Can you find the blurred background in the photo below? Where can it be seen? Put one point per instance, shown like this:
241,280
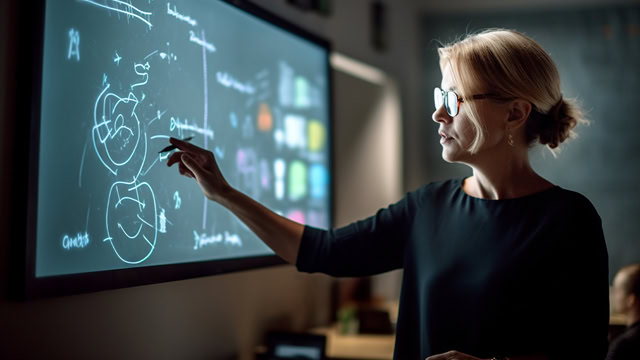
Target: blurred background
385,66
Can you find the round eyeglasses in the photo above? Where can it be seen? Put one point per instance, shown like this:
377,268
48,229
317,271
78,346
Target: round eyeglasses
452,101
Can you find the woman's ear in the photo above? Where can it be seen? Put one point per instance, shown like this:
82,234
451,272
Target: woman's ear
519,111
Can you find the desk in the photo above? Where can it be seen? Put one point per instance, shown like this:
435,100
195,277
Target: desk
377,347
364,347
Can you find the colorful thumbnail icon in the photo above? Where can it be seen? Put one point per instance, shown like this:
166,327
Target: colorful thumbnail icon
319,180
297,180
297,216
265,120
317,135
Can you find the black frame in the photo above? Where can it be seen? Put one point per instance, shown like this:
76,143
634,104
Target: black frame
23,283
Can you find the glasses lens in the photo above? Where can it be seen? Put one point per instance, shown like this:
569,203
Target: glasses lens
452,103
437,97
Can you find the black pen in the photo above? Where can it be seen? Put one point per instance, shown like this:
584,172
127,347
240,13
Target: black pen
171,147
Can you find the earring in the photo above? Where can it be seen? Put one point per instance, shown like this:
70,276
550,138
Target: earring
510,138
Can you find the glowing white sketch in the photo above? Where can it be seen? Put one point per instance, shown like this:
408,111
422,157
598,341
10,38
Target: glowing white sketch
232,239
174,12
202,240
117,132
227,238
176,198
123,7
82,164
79,241
163,222
194,39
176,124
226,80
167,56
141,69
164,55
74,44
131,220
205,47
117,59
121,145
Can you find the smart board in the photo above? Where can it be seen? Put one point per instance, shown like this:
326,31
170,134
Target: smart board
121,77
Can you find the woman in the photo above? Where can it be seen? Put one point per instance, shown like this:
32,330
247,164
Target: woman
500,264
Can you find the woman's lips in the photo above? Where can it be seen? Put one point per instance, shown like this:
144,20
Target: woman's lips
444,138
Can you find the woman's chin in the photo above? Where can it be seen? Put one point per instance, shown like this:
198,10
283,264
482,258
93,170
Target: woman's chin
450,156
454,155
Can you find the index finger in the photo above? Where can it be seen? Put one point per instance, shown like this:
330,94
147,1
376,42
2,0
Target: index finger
188,147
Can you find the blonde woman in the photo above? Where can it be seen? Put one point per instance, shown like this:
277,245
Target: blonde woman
501,264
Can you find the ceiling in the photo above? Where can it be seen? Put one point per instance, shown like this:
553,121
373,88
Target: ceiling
492,5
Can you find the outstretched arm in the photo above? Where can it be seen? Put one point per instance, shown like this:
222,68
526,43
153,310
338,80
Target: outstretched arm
279,233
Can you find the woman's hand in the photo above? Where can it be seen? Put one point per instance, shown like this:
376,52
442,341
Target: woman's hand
452,355
279,233
200,164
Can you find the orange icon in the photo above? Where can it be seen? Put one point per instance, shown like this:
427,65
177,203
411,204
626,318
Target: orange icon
265,120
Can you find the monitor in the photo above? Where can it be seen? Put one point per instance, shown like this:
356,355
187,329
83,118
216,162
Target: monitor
118,78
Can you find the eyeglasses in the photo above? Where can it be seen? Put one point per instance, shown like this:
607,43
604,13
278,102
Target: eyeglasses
452,101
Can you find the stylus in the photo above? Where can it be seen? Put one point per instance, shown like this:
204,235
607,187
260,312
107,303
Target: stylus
171,147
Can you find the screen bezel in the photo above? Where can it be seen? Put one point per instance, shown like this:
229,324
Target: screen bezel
24,285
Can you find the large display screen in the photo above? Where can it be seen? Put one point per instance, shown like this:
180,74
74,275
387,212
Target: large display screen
121,77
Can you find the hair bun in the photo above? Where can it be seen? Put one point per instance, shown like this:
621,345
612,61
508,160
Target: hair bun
557,125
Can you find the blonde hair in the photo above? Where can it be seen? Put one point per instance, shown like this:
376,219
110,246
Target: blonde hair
512,65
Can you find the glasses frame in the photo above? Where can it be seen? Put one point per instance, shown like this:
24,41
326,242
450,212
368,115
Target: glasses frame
460,100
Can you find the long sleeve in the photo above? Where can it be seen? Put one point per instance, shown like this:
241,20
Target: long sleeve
582,289
366,247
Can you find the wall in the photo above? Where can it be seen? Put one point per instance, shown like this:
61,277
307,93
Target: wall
221,317
369,173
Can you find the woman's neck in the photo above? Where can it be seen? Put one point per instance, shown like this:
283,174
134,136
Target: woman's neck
504,178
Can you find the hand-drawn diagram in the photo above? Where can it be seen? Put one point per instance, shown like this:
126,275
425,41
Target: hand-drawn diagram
261,118
116,132
132,226
121,146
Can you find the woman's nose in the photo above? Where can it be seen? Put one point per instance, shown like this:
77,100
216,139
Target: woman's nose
441,115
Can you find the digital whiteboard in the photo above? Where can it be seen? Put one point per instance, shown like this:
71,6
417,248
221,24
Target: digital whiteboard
119,78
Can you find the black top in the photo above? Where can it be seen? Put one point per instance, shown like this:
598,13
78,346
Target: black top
484,277
627,345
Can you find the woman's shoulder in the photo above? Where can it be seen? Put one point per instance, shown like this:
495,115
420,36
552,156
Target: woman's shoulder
436,188
434,191
572,201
